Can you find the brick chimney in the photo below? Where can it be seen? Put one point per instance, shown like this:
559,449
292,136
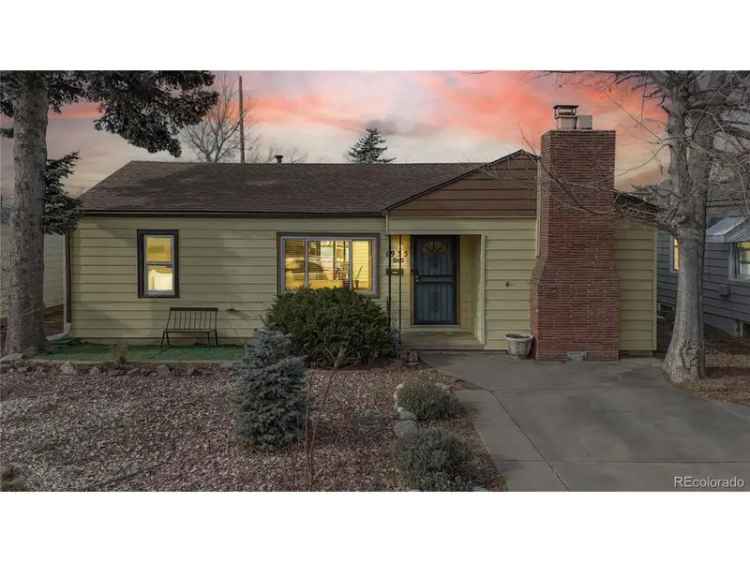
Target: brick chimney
574,287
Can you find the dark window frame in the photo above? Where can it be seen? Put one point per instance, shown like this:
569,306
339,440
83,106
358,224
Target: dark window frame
734,263
142,233
365,236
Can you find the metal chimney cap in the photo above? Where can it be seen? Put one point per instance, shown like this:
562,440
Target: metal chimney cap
562,110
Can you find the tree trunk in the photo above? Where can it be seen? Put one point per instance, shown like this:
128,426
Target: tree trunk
685,359
689,171
25,331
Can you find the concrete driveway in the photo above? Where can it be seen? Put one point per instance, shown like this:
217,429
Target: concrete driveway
598,426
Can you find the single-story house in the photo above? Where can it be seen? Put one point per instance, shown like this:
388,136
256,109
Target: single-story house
458,254
726,271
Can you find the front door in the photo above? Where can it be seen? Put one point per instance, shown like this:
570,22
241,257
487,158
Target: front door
434,267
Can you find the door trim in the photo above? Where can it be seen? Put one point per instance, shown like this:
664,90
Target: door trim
456,277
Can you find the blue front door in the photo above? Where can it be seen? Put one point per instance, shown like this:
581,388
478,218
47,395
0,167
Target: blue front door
434,268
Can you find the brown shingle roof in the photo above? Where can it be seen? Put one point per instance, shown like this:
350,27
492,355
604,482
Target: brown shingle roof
176,187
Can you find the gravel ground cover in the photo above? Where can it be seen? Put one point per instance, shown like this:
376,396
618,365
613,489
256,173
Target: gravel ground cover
149,428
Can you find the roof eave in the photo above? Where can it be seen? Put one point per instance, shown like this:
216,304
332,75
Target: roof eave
227,214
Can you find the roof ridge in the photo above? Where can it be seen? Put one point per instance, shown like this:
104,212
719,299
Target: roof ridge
462,163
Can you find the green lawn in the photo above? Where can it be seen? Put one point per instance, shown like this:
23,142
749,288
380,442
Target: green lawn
73,351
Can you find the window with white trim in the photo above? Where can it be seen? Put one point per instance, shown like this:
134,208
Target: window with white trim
317,262
675,254
741,261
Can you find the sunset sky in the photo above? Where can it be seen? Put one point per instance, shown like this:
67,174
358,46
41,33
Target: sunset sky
425,116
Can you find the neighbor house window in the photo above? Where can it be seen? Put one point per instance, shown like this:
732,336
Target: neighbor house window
318,262
157,263
741,261
675,254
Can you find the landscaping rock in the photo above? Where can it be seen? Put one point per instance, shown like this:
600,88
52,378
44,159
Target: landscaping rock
395,393
190,371
95,372
405,414
67,368
442,386
162,370
133,371
402,428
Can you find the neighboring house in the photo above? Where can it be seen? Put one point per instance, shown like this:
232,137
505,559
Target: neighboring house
726,273
459,254
54,270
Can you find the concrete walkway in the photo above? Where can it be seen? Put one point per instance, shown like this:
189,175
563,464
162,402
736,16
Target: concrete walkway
595,425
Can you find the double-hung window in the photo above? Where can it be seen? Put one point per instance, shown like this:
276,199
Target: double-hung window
741,261
317,262
157,263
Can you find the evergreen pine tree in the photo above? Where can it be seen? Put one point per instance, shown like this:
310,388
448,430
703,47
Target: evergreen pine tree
369,149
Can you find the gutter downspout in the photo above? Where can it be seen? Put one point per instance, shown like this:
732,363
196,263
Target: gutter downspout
67,312
389,261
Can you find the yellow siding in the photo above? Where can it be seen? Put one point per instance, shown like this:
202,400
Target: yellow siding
508,262
227,263
232,264
468,286
636,268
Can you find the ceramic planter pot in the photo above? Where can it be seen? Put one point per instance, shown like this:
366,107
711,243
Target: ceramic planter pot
519,345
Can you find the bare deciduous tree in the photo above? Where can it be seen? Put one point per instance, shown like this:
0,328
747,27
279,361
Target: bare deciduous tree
217,137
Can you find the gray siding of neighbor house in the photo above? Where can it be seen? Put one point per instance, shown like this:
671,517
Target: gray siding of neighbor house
724,301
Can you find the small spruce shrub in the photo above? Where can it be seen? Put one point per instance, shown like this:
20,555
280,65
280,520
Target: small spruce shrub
427,401
332,328
271,392
434,460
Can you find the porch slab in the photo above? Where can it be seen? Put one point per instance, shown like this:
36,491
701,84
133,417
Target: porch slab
441,341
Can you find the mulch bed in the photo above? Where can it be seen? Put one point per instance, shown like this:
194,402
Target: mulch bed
727,366
138,429
727,369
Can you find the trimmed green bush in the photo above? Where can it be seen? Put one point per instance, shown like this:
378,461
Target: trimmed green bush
434,460
427,401
332,328
271,392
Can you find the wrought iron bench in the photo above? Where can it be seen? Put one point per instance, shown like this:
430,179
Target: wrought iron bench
192,320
